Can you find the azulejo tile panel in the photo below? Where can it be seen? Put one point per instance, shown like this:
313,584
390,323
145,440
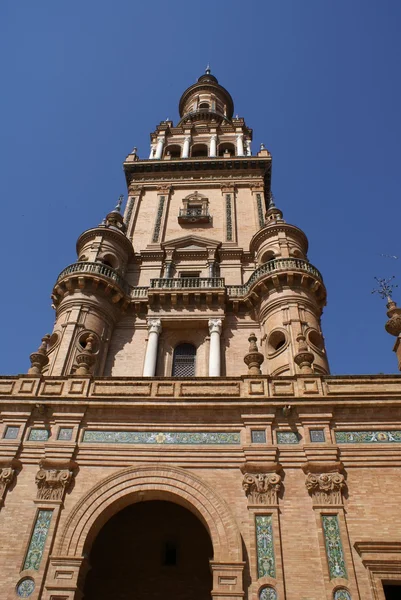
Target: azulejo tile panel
65,433
38,540
334,548
264,545
317,435
342,594
11,433
287,437
268,593
38,435
258,436
26,587
160,437
368,437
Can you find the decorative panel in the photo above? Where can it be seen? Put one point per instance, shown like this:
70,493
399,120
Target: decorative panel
368,437
268,593
334,548
261,216
25,588
342,594
258,436
65,433
129,209
38,540
264,546
156,232
155,437
317,435
287,437
38,435
229,218
11,433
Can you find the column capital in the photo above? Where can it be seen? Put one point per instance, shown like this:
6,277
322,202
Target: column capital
215,326
154,326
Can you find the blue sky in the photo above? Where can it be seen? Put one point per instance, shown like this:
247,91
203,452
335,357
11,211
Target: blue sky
317,80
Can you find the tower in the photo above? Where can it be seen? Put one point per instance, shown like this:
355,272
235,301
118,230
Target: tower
202,258
178,434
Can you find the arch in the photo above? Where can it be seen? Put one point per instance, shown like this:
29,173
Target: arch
174,150
151,482
267,256
184,359
199,150
226,147
204,106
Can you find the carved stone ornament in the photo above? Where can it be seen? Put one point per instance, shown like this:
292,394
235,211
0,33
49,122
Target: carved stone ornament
53,479
261,483
254,358
7,473
39,359
325,488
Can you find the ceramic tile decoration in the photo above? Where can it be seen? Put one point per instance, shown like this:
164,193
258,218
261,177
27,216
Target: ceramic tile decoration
156,232
342,594
261,215
258,436
229,221
11,433
368,437
264,545
38,540
317,435
65,433
38,435
287,437
159,437
268,593
334,548
25,588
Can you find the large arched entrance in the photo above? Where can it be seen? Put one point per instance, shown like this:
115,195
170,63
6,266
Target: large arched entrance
150,551
68,565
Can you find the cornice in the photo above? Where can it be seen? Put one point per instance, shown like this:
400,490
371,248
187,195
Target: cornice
268,231
112,234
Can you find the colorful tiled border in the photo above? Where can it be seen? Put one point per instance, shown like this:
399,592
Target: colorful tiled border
38,540
287,437
334,548
368,437
264,546
160,437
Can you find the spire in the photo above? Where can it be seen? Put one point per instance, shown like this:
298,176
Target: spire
273,213
207,70
115,218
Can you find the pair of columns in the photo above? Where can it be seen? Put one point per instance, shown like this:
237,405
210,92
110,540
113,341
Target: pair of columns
154,330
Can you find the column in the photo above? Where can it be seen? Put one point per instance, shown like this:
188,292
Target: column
213,146
152,150
240,144
185,149
159,147
154,329
248,148
168,266
211,268
215,326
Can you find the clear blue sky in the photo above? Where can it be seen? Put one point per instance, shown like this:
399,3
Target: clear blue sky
318,80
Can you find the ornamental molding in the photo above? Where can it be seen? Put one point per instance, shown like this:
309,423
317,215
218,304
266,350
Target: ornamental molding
7,474
228,188
164,189
53,479
261,483
268,231
325,483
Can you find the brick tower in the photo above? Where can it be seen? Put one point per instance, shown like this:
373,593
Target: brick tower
178,434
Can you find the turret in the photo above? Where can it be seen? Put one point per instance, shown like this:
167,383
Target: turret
88,297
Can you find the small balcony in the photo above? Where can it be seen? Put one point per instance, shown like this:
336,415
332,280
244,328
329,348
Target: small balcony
196,214
188,283
82,269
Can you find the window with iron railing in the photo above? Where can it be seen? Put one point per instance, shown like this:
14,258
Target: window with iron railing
184,360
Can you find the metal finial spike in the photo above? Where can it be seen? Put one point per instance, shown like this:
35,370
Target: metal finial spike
207,70
120,201
271,200
385,289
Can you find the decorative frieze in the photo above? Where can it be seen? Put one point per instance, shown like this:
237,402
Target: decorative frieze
38,539
325,488
334,548
159,437
368,437
38,435
265,546
287,437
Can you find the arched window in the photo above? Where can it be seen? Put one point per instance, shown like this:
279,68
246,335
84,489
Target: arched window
226,149
184,360
199,150
204,106
174,151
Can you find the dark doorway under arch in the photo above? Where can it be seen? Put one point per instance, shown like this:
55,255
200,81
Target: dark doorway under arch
150,551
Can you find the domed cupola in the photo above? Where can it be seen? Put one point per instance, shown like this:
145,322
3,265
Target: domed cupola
205,100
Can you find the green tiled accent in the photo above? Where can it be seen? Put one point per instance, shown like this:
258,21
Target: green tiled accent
38,540
287,437
264,545
159,437
261,216
229,219
156,232
334,548
268,593
368,437
38,435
